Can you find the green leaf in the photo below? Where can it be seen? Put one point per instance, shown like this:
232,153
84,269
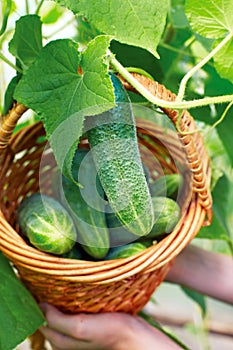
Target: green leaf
156,325
27,40
19,314
5,13
213,19
221,227
224,61
85,31
54,89
8,97
197,298
178,17
210,18
220,162
223,202
225,133
138,23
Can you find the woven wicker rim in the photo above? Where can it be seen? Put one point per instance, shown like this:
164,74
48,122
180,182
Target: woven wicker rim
156,256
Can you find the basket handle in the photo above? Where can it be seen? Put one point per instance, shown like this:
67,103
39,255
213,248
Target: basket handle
8,124
193,143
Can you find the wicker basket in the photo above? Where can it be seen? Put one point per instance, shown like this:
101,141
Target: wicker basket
120,285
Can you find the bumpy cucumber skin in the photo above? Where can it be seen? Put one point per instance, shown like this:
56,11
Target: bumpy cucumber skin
47,224
125,251
167,185
113,140
89,220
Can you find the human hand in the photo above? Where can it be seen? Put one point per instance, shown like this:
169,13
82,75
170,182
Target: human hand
106,331
204,271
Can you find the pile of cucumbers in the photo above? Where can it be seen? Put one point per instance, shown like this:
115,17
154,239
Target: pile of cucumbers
113,209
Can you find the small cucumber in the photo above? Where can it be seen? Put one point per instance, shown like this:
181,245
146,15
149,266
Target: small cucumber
125,251
167,214
113,140
86,205
167,185
47,224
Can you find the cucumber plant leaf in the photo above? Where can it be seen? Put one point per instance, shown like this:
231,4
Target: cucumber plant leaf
224,60
8,97
225,133
19,314
213,19
210,18
221,227
85,31
177,14
27,40
138,23
219,160
25,46
62,97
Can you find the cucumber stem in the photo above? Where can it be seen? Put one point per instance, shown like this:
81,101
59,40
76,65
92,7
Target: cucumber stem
196,68
12,65
6,16
39,7
162,103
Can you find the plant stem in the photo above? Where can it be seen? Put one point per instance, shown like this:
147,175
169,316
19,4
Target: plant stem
139,71
162,103
186,78
27,7
5,17
39,7
10,63
222,116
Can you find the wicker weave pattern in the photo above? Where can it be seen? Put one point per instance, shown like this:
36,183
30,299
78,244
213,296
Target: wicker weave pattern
118,285
128,295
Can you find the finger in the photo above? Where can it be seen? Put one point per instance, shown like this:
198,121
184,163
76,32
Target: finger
101,328
61,341
70,325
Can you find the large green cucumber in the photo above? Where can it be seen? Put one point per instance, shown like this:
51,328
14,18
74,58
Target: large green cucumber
86,205
113,140
47,224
